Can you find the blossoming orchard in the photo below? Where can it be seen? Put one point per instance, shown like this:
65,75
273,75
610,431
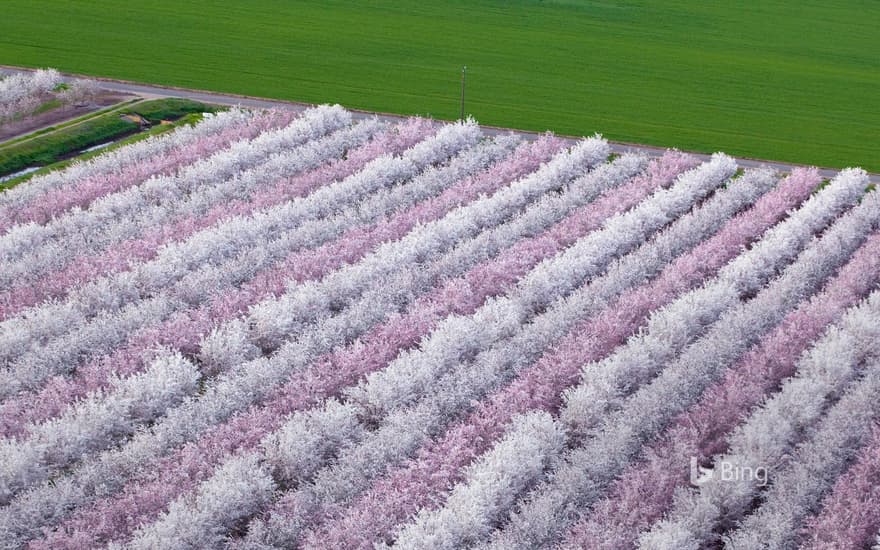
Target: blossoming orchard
280,329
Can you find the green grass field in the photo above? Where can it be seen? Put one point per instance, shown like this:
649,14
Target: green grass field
790,81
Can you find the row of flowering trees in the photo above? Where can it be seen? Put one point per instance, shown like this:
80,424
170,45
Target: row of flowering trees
23,93
280,329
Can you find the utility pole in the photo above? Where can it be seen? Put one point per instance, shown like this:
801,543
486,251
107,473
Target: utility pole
463,78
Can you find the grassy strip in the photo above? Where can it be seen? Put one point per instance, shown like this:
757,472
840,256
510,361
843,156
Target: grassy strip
44,107
58,145
171,108
60,165
48,106
55,146
67,123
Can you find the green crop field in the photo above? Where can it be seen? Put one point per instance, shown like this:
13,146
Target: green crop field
795,81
